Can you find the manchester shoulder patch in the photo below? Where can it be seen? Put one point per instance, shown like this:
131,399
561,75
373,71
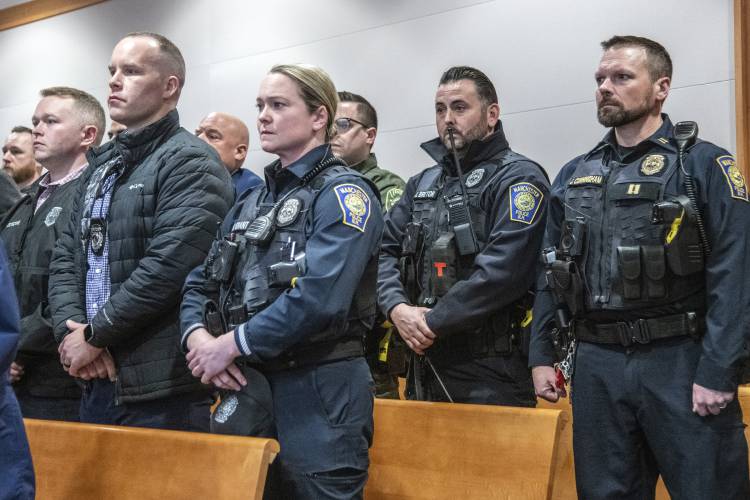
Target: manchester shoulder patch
355,205
525,200
735,179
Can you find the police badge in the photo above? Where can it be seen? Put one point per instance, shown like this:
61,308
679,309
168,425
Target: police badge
97,232
652,164
52,216
475,177
288,212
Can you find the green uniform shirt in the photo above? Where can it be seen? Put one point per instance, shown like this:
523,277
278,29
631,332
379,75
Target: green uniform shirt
390,185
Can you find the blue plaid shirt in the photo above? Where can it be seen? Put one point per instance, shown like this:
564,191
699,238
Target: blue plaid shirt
98,284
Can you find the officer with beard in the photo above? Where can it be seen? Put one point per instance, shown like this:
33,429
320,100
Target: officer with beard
646,251
458,254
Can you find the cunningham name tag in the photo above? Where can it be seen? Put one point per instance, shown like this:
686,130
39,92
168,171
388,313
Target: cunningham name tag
355,205
525,200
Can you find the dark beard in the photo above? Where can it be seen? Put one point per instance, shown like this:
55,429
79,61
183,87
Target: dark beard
621,116
474,134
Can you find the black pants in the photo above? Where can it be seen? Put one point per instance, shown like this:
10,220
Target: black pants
67,409
633,420
500,380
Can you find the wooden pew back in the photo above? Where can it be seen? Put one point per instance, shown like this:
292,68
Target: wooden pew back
85,461
438,450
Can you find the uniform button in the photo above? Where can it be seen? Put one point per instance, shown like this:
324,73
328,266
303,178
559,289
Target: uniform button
97,271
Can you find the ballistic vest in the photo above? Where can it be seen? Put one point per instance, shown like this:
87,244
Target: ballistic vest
621,247
265,271
439,265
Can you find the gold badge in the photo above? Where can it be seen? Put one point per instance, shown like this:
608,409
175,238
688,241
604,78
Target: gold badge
652,164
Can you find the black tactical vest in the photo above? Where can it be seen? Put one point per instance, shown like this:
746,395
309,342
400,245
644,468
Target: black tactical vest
264,271
439,265
614,233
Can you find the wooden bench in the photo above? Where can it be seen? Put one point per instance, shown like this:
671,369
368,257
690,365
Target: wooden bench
564,487
458,451
82,462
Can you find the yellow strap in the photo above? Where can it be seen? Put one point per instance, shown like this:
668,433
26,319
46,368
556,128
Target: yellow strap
675,227
527,319
383,346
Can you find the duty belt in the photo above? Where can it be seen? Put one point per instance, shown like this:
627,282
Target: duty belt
315,354
640,331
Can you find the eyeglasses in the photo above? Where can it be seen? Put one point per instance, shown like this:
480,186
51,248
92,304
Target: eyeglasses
344,124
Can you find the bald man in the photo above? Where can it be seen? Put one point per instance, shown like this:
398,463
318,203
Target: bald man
230,137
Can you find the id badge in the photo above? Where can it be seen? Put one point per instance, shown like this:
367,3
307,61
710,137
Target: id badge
97,235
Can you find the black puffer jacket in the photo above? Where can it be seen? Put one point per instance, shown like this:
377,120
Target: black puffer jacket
29,239
164,212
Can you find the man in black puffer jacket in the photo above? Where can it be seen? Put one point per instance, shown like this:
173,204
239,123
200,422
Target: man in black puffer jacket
145,215
67,123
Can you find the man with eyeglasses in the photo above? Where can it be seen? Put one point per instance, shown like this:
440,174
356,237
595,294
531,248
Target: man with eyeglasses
356,126
459,254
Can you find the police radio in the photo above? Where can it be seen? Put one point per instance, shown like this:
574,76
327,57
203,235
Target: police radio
458,210
685,134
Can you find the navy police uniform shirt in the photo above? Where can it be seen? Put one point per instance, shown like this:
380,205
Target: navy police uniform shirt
504,269
336,253
722,199
244,180
16,471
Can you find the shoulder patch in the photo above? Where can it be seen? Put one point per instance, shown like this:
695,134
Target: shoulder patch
525,199
391,198
355,205
735,179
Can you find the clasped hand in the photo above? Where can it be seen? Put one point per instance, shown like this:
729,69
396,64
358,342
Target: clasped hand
81,359
212,359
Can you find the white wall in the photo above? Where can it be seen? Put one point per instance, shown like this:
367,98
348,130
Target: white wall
541,55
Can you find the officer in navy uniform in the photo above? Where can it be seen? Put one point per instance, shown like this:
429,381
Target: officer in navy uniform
457,260
16,470
647,268
292,283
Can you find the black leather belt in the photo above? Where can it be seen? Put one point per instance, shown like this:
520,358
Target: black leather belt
640,331
315,354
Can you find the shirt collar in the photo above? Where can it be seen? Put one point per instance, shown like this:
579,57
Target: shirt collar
278,179
73,175
366,165
661,138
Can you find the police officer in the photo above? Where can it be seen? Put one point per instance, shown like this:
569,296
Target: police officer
649,259
356,127
456,262
16,470
292,283
67,122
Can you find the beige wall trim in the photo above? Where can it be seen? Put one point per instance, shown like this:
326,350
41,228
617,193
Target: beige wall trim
35,10
742,82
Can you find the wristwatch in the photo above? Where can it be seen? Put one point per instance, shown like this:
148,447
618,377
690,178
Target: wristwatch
88,333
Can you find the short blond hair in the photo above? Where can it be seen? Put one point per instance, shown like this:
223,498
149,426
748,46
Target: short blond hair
89,111
315,87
